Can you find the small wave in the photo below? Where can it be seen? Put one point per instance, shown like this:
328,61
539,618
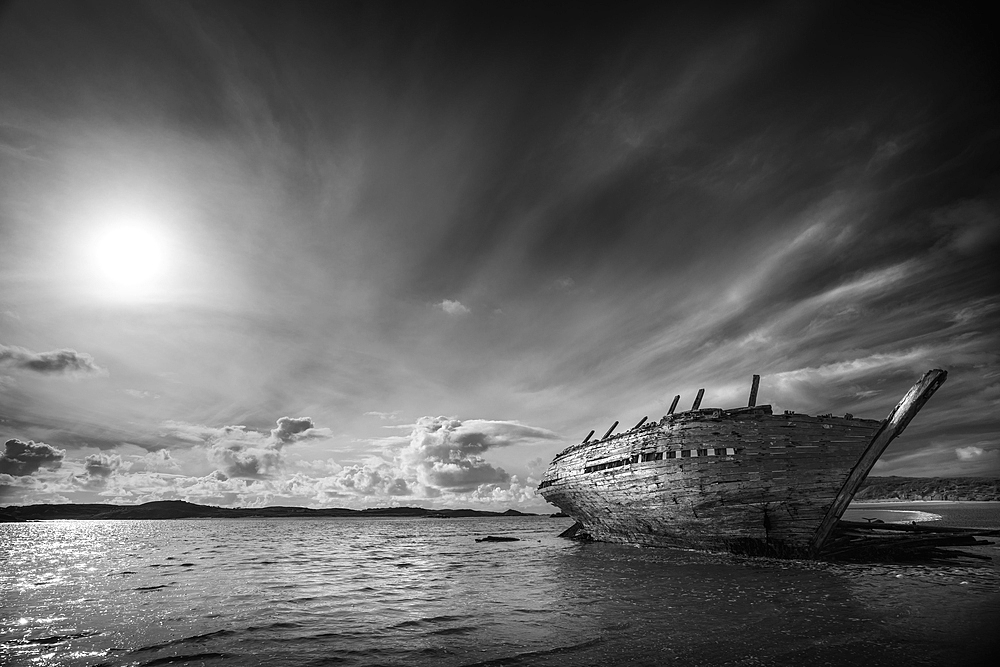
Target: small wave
460,630
518,658
280,625
150,588
415,622
194,639
171,659
55,639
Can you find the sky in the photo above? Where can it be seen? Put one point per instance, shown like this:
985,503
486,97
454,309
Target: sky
373,254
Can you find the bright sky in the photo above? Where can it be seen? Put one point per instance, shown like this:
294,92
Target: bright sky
368,254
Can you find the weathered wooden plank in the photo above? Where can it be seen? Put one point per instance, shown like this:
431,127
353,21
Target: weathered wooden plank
753,392
697,400
788,468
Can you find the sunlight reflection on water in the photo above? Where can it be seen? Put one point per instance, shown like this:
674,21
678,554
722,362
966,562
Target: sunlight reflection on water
423,592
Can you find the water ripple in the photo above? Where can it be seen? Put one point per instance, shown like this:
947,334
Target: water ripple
420,592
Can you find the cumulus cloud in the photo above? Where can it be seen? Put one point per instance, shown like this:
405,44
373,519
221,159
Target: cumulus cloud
289,427
102,465
446,453
98,469
25,458
159,461
514,493
441,455
245,453
453,307
366,480
240,460
49,363
440,461
970,453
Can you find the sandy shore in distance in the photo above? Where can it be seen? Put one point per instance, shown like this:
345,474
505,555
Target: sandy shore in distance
862,503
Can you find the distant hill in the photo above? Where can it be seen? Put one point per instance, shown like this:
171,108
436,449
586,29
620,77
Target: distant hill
929,488
179,509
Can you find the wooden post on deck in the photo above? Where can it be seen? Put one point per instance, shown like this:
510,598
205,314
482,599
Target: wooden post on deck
697,399
641,422
613,427
891,427
674,404
753,392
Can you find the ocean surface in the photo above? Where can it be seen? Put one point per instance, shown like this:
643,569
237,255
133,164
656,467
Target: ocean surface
420,592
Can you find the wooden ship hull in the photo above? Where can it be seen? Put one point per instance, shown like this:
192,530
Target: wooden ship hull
742,480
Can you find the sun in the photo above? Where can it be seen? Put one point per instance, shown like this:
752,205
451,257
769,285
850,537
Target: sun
128,261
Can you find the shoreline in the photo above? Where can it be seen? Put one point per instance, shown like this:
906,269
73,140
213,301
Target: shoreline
922,502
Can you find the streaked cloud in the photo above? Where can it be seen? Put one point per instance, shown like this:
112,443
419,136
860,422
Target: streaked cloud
563,224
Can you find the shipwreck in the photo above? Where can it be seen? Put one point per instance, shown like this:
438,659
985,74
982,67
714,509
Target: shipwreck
743,480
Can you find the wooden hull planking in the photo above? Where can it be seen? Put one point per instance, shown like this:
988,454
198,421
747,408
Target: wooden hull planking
742,480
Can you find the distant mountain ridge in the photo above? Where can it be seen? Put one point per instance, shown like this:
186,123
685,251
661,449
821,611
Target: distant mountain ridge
929,488
180,509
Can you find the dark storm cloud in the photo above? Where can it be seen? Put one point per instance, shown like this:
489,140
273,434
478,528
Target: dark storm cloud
26,458
49,363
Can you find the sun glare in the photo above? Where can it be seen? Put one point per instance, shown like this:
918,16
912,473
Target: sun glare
128,260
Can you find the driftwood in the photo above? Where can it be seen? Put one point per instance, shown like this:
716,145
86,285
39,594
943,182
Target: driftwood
572,530
494,538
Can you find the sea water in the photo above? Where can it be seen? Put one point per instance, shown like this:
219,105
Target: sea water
352,591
